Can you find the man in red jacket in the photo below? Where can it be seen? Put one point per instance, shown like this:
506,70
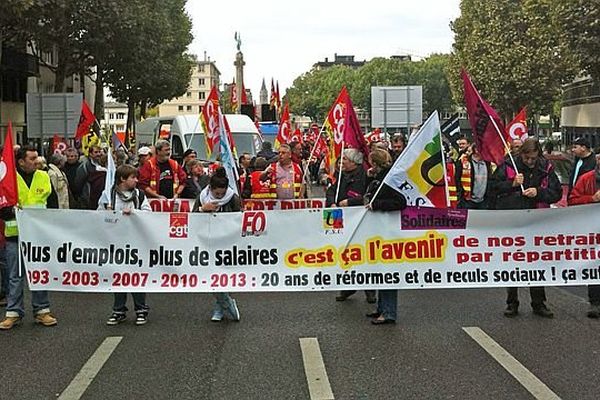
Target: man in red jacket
586,191
162,177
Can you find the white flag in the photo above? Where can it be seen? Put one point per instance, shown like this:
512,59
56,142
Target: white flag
419,172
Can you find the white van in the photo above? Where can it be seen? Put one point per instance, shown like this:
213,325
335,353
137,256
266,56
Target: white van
185,132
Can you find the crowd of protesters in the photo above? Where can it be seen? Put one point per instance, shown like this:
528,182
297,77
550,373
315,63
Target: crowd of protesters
527,180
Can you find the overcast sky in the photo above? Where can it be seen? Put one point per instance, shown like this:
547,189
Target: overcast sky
282,39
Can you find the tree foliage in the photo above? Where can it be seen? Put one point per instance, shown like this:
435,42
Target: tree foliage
516,53
314,92
136,47
581,20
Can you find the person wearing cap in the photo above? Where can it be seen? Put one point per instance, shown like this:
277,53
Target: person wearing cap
188,155
585,160
144,155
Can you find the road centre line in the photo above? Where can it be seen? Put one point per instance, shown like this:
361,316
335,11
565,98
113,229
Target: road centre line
525,377
314,368
88,372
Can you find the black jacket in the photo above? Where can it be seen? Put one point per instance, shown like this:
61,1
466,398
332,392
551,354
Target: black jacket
589,164
541,176
352,188
388,199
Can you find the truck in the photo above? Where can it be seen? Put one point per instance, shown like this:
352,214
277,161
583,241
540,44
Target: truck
186,132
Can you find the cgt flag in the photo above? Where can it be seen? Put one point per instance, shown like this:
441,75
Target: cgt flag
418,174
517,129
8,172
487,127
284,133
210,120
334,125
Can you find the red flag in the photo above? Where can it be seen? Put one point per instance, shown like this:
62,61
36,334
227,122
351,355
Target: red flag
272,99
234,99
296,136
277,98
86,119
244,95
9,194
482,116
210,120
334,125
283,135
517,129
230,137
353,135
58,144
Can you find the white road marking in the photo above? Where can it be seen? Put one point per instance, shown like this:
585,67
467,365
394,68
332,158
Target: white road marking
316,375
88,372
535,386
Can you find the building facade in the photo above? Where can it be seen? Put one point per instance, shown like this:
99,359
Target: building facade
115,117
580,113
21,72
205,75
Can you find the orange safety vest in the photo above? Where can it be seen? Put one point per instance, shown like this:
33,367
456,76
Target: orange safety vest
465,177
260,189
451,181
156,174
297,172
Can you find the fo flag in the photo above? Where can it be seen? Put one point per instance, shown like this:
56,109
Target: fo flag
486,125
284,133
451,127
86,120
418,174
210,120
517,129
8,173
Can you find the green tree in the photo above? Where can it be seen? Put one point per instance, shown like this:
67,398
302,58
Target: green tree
149,63
581,20
515,52
313,92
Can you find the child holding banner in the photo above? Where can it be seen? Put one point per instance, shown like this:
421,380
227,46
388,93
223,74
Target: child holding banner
125,197
219,197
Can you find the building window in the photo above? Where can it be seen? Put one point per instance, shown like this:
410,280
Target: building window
111,116
201,68
188,108
120,115
201,95
188,94
201,81
180,108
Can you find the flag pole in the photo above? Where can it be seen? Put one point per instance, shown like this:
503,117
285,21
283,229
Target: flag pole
512,160
337,190
312,152
445,171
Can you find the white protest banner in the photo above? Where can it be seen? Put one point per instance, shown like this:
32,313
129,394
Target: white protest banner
306,249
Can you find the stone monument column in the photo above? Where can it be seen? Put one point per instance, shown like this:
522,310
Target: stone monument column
239,71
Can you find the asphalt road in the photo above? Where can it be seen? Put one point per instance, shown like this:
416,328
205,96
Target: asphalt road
181,354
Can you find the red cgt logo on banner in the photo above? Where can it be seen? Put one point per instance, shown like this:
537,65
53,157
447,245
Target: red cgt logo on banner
8,173
178,225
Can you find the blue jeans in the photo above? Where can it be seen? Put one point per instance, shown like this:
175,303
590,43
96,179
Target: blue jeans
222,301
139,303
387,303
16,286
3,273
